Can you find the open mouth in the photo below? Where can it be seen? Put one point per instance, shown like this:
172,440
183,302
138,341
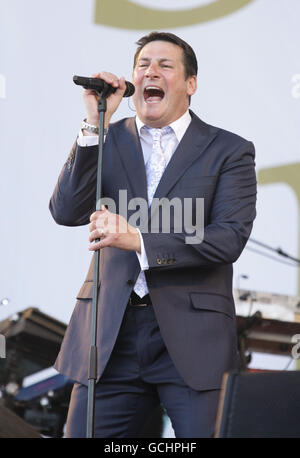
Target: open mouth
153,94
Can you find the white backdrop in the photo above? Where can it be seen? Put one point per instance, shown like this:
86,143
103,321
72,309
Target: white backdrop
248,67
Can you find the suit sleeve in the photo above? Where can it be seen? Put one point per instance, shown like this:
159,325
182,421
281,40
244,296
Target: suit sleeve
74,196
229,226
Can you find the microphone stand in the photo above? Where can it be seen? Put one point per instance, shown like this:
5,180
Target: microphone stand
92,374
279,251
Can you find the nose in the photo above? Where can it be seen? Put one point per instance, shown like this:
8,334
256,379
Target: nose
152,71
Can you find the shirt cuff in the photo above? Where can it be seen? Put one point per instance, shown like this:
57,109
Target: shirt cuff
142,256
87,140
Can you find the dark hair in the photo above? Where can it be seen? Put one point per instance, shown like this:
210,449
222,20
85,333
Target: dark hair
189,60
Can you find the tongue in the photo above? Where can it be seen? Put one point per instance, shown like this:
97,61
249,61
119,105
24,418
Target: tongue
153,99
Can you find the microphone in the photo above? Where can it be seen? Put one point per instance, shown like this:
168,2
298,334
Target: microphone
98,85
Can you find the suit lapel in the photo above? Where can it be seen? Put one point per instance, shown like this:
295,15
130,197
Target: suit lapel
196,139
132,158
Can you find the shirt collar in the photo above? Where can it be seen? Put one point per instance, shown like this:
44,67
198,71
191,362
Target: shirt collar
179,126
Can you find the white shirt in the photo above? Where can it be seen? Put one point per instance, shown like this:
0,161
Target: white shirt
169,144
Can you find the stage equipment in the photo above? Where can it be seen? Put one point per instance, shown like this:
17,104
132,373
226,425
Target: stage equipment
266,323
33,341
13,427
259,405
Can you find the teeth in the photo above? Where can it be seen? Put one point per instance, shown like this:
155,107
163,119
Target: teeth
153,94
153,87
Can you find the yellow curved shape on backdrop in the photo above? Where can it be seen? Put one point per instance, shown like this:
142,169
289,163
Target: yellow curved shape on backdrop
125,14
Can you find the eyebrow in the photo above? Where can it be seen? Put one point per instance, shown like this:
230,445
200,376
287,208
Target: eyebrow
161,59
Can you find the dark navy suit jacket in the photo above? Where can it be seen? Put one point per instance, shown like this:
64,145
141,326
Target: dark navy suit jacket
190,285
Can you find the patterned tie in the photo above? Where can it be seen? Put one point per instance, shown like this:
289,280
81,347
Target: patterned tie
155,167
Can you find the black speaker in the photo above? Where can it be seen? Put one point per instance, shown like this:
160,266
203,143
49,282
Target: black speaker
260,405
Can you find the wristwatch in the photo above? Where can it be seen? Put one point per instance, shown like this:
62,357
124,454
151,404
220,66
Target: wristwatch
89,127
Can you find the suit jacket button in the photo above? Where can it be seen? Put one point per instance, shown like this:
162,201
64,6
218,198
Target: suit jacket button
130,282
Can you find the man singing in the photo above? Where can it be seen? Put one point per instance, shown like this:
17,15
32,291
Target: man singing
166,319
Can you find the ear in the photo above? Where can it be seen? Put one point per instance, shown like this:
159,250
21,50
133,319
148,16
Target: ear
191,85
